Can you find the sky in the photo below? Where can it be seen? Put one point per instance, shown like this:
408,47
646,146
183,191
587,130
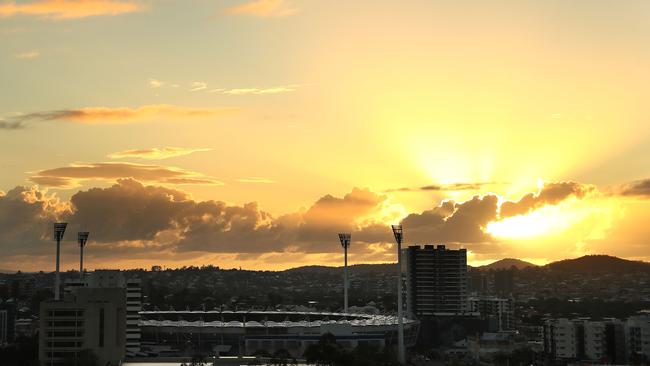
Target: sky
249,133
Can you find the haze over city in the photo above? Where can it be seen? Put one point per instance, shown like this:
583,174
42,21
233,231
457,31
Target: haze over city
248,133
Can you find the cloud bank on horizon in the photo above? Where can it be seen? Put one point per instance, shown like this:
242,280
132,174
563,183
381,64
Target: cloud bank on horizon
130,220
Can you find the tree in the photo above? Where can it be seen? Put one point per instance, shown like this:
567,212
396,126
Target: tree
282,357
198,360
326,352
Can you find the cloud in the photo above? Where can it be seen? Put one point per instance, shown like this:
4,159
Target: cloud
443,187
640,188
263,9
550,194
255,180
198,85
130,219
69,9
26,217
155,153
10,125
274,90
73,175
95,115
127,211
155,83
30,55
453,222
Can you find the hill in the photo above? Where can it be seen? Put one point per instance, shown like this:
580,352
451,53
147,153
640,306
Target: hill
507,263
599,264
357,268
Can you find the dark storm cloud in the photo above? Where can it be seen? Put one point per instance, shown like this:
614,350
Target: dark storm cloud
640,188
550,194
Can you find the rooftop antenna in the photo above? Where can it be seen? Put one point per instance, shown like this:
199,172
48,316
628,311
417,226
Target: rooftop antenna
401,357
59,230
82,238
345,243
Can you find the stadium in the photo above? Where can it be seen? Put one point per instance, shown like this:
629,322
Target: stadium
176,333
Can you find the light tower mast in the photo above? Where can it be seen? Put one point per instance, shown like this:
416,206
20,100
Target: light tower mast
59,230
82,238
401,353
345,243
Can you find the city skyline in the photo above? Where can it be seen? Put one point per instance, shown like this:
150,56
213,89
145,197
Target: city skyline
248,133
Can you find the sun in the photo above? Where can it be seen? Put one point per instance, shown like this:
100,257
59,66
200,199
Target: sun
577,218
547,220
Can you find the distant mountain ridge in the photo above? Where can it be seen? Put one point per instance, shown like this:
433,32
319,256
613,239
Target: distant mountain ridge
507,263
359,268
583,265
599,264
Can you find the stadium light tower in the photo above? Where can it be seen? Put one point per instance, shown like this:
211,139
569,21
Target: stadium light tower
345,243
82,238
401,356
59,230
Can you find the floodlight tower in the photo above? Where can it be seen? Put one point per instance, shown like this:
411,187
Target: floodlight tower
82,238
401,357
59,230
345,243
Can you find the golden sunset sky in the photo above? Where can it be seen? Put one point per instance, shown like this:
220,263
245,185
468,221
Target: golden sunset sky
250,132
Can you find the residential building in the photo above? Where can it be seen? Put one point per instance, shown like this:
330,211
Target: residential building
436,280
562,339
637,336
504,282
499,311
7,321
605,340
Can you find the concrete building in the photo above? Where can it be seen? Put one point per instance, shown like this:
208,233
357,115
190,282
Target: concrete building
595,340
637,336
91,319
436,281
603,340
504,282
116,279
26,327
133,308
7,321
561,339
100,314
499,311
